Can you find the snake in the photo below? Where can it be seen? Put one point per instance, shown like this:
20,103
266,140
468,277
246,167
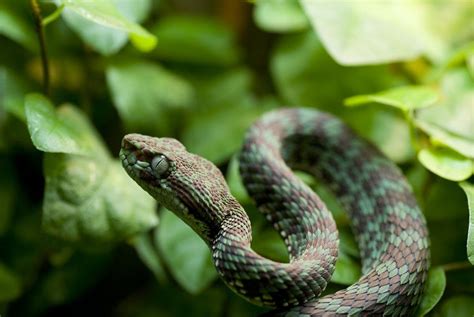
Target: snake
388,226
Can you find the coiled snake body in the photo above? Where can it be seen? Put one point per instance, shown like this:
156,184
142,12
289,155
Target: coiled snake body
386,221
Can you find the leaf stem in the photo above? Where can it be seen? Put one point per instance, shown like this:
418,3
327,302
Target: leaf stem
53,16
457,266
409,117
40,32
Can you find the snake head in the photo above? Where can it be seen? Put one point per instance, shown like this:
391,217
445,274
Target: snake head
187,184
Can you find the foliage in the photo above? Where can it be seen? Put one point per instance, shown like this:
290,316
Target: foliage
74,226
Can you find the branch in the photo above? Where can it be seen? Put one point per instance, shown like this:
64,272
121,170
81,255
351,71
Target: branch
457,266
40,32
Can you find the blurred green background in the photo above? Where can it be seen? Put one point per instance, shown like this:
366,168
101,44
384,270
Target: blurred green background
78,237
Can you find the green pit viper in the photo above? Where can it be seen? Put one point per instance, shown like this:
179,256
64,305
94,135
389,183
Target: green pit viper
388,225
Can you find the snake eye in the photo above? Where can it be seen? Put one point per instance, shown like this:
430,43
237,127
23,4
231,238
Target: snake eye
160,165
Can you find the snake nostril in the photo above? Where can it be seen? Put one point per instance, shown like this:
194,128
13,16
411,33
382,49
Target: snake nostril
131,158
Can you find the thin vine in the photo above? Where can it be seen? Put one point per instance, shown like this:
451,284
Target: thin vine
42,43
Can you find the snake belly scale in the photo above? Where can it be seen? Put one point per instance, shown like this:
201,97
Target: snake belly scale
387,223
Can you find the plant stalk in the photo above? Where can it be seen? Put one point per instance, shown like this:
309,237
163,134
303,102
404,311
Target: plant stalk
40,32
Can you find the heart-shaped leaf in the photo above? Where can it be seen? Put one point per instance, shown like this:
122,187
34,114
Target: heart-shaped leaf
105,14
446,163
360,32
62,131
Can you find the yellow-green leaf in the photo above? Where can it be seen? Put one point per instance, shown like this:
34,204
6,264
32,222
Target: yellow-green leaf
361,32
105,13
446,163
451,121
405,98
143,92
469,190
280,16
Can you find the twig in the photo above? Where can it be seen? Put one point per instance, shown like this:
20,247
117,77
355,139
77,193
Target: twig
53,16
40,31
457,266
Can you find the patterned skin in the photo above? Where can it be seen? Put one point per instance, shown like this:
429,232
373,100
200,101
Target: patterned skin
387,223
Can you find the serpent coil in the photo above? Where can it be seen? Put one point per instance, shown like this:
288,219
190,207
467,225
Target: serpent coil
387,223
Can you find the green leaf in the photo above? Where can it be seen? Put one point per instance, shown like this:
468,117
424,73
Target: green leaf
217,133
347,270
434,289
136,11
457,58
393,139
446,211
226,108
455,30
305,75
196,40
461,143
326,196
457,306
93,200
10,285
405,98
101,38
147,253
280,16
269,244
450,122
357,32
16,27
88,196
105,14
143,92
446,163
470,64
469,190
187,256
418,177
66,130
234,180
13,89
222,88
347,242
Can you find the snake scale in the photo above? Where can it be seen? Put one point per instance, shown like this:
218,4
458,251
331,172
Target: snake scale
387,223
